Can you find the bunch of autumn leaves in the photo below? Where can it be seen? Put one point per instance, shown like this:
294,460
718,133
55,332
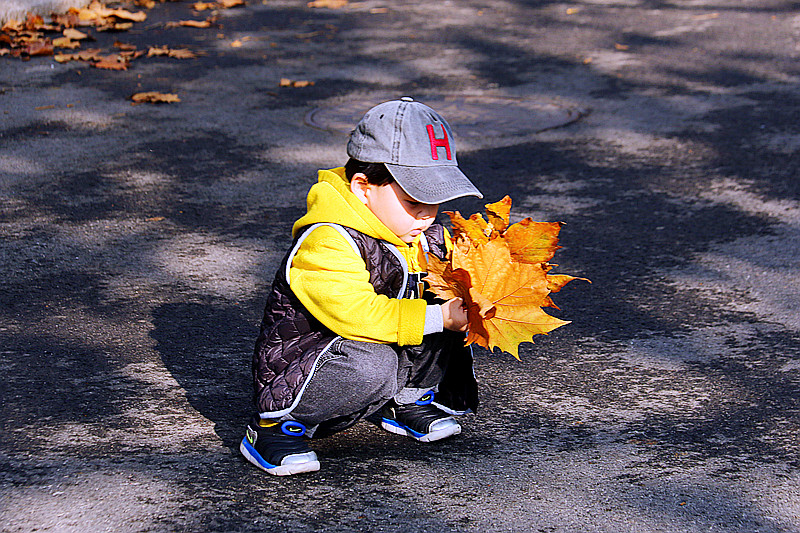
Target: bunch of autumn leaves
35,37
502,272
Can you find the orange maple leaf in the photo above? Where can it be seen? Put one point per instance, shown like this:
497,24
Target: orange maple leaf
502,274
476,228
529,241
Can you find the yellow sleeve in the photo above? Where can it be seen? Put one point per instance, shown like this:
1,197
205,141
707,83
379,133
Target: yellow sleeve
331,280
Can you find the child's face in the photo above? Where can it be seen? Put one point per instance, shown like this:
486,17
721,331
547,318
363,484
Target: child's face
406,217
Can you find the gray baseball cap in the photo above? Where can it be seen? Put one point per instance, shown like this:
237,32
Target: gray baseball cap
416,145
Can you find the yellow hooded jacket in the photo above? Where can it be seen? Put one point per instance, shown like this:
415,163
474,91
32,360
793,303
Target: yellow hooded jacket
331,280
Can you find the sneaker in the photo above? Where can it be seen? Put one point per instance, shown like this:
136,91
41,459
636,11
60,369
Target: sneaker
278,447
420,420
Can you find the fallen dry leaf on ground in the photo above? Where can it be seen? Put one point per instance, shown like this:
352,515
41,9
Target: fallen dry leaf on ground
97,11
192,23
153,97
177,53
75,35
25,39
12,26
501,272
286,82
84,55
330,4
112,62
221,4
65,42
126,47
39,48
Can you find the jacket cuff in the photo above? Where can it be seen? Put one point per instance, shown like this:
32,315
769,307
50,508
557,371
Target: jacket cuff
434,321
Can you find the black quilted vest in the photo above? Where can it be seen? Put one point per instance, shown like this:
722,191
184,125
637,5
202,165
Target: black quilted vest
291,339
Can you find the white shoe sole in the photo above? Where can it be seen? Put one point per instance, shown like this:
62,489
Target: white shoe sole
282,470
443,433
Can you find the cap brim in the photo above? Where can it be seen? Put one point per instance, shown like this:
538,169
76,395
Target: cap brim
433,184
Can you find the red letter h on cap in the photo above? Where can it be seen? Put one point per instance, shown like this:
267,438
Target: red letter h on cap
436,143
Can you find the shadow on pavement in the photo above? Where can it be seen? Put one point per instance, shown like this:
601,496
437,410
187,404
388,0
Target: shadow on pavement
206,347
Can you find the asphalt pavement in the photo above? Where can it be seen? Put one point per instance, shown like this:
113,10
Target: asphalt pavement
138,243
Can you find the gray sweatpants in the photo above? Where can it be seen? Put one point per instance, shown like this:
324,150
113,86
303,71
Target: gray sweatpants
354,379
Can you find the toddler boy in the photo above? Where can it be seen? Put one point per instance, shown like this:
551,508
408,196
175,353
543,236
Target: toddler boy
348,329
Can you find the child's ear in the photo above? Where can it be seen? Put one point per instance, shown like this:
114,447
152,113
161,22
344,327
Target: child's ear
359,185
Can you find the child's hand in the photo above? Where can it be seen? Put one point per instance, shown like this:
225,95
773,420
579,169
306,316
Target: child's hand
455,315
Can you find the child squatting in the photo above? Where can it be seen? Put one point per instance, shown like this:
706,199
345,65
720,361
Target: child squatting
348,330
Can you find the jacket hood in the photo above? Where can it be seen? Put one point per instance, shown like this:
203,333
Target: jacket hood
330,200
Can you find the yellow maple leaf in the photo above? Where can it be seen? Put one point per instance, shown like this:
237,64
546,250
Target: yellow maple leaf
502,274
475,228
529,241
532,242
498,214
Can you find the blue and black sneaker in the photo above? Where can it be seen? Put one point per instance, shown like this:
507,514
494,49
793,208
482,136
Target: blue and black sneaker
420,420
278,447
